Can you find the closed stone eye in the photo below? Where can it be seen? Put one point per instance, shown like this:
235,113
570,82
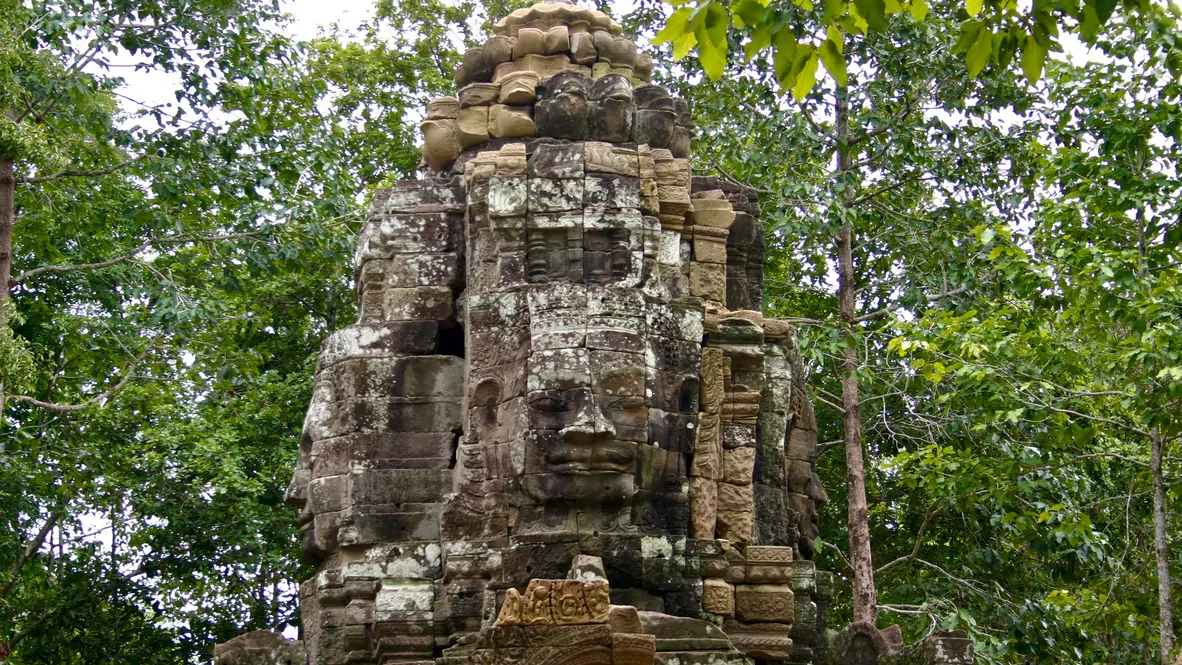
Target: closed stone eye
547,405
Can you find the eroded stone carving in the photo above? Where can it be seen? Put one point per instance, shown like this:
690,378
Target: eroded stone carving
561,431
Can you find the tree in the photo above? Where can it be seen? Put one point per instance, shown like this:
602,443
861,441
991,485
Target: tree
174,269
994,32
871,142
1094,281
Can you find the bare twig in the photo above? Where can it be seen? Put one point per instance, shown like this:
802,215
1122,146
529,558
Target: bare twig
918,543
840,554
828,398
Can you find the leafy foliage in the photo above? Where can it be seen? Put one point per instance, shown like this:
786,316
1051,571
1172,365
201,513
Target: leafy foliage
175,268
1016,255
798,34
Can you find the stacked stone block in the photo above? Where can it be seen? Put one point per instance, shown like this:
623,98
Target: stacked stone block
377,446
559,357
557,70
744,242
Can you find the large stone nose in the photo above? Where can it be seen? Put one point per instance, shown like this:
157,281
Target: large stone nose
589,425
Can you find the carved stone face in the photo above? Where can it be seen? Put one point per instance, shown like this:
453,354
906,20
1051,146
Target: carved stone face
655,116
596,432
612,111
608,398
562,109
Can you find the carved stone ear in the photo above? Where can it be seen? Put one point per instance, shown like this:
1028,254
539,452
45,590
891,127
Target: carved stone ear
441,146
487,392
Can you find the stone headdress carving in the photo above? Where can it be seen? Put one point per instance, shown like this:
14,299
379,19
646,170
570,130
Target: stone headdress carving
560,431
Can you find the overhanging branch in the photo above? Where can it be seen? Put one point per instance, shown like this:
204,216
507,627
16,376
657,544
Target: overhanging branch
35,544
124,258
64,408
77,174
878,314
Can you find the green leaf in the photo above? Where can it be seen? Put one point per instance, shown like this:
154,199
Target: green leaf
979,52
832,10
835,34
1090,25
1049,25
784,57
854,22
748,13
683,44
893,7
715,24
711,56
761,38
1104,9
969,31
987,235
973,7
1006,47
919,9
834,62
1033,57
806,78
874,11
674,28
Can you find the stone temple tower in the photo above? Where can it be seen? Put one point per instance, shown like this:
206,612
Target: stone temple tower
560,432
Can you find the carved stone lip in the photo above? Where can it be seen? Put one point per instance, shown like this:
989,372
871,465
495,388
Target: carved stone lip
614,456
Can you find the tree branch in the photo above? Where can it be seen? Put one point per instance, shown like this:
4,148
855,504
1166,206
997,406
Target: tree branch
804,112
908,107
735,181
960,580
887,188
14,570
840,554
175,240
77,174
878,314
61,408
822,394
42,270
918,543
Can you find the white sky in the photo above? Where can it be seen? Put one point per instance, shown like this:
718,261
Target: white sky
309,17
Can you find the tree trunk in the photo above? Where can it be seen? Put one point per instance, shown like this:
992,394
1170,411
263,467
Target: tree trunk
1165,606
7,214
865,597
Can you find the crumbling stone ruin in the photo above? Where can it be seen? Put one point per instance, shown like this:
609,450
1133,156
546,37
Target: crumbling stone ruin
560,431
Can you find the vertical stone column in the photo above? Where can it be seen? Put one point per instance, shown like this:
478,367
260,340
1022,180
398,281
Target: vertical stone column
376,452
740,340
712,218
